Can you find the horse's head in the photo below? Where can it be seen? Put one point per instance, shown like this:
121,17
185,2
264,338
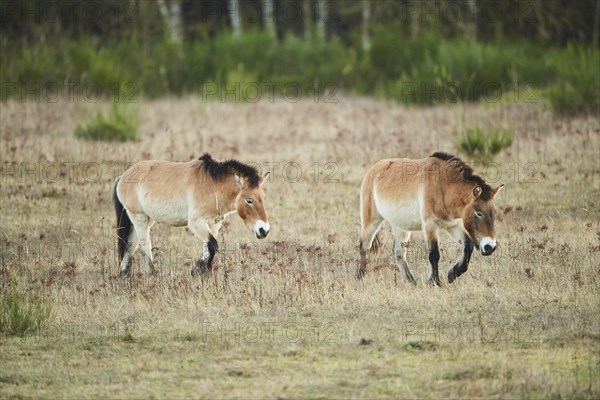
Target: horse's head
250,206
478,219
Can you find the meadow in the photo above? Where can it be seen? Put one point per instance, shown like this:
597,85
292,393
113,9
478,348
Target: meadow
285,317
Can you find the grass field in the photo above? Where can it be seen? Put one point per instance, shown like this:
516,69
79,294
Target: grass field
285,317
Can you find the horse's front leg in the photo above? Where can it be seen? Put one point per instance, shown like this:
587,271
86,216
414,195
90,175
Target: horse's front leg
400,242
204,264
202,231
431,234
461,266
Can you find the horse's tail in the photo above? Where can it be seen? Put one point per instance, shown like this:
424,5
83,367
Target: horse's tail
123,222
376,245
370,222
369,217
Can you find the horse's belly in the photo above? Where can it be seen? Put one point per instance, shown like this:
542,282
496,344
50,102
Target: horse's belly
173,212
405,214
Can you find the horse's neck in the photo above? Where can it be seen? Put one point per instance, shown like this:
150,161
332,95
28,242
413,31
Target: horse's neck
456,202
447,202
225,200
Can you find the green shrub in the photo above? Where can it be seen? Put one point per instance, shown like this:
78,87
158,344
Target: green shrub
577,87
427,68
313,64
21,312
121,125
430,69
482,145
392,60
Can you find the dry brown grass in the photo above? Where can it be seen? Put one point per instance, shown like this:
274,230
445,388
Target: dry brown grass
285,317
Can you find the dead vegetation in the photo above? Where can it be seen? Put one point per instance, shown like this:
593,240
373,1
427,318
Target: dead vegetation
285,317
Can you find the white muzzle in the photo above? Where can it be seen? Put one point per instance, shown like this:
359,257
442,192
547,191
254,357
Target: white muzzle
487,246
261,229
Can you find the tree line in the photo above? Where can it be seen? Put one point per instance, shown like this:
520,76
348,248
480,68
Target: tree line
556,22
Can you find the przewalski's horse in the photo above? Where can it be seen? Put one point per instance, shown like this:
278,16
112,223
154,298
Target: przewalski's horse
430,194
198,194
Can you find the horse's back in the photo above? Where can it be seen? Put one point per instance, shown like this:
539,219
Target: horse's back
159,189
397,178
396,188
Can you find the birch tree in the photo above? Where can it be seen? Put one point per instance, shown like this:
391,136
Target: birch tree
471,20
321,17
366,19
235,17
307,17
268,17
596,31
171,14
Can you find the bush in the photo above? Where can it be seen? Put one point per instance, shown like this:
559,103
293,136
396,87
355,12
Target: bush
22,313
482,145
427,68
312,65
121,125
577,87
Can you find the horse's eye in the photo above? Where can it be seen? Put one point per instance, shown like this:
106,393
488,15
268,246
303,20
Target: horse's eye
249,202
478,214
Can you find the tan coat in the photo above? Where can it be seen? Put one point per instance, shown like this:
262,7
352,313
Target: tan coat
198,194
428,194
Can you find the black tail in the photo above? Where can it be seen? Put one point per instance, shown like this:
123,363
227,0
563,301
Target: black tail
123,223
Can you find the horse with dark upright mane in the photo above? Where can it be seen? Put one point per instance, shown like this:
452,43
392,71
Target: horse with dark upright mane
436,193
198,194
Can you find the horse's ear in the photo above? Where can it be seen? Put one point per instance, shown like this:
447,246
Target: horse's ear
265,178
477,191
497,190
239,181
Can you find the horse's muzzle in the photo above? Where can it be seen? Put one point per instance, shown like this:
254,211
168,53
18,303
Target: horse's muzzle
261,229
487,246
488,250
261,234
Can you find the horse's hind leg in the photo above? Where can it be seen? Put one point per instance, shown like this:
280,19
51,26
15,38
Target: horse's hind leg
130,249
431,235
366,241
142,225
401,239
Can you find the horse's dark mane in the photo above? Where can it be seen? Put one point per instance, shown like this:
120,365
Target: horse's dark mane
217,170
467,173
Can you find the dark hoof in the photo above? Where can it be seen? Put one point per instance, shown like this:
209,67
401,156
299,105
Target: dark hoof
410,279
200,269
124,272
360,274
451,276
434,281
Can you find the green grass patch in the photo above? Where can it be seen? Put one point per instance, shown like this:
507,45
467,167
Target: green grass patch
483,145
22,313
419,345
120,125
